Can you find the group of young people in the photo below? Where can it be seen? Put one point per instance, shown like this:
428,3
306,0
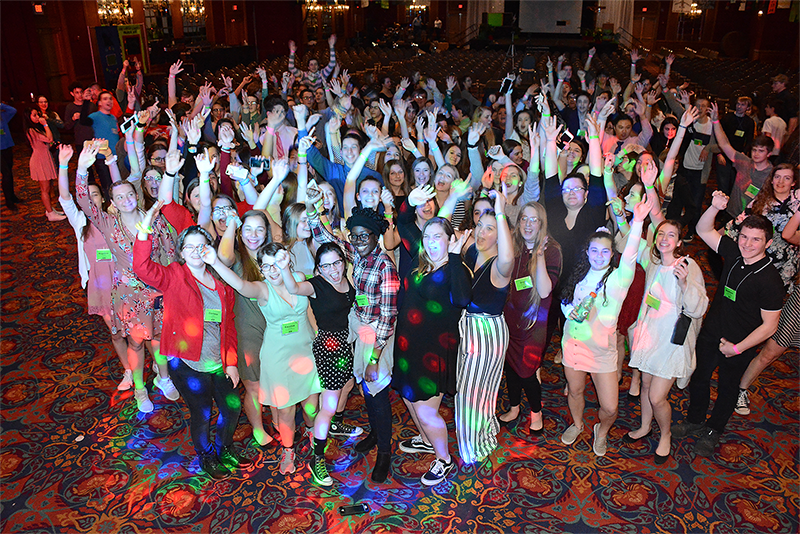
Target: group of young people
321,233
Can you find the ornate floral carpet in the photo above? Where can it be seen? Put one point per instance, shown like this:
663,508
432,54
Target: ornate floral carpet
76,456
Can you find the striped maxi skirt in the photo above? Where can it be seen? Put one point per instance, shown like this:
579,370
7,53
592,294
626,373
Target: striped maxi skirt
481,353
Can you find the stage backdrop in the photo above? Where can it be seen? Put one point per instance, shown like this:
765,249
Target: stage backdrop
563,16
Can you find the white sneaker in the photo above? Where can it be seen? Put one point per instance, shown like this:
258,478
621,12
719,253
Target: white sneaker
127,381
143,401
437,472
743,403
53,216
167,388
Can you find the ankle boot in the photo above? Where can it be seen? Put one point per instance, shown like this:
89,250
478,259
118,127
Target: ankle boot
368,443
382,464
212,467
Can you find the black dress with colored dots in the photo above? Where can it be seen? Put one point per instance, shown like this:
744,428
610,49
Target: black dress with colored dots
332,353
426,344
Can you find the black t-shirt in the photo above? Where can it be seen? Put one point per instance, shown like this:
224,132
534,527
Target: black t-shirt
331,307
743,291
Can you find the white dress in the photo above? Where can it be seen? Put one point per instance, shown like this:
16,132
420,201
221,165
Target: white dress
652,351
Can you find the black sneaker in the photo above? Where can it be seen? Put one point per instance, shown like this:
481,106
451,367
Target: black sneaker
707,443
231,459
416,445
686,429
437,472
319,471
344,430
213,468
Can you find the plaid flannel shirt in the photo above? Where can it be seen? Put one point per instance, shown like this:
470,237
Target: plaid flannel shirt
374,276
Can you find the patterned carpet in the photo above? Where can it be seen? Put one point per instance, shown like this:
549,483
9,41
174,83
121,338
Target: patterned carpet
76,456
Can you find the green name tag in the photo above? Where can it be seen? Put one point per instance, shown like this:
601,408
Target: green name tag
290,327
103,254
309,276
253,300
739,133
698,142
362,300
523,283
730,293
212,316
751,190
652,301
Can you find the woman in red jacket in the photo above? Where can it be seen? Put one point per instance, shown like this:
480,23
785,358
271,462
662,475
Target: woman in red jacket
199,339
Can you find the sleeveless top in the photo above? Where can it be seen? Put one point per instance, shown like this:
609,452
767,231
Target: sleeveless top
486,298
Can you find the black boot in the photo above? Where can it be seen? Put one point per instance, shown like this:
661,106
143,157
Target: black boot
232,459
382,464
213,468
368,443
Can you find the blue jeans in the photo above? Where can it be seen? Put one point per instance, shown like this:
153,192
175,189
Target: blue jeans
199,392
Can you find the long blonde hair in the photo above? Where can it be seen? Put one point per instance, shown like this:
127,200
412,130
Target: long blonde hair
520,247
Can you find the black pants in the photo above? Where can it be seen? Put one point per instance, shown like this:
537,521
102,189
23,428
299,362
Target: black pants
730,372
687,198
531,385
7,168
379,411
199,392
726,176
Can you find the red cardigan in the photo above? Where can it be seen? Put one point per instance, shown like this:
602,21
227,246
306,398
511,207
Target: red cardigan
182,330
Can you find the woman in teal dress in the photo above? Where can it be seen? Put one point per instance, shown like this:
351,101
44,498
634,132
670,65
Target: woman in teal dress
288,372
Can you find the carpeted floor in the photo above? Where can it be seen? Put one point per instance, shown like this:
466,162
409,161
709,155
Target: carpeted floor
76,456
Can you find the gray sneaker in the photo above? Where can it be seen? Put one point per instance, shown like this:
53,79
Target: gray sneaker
343,430
437,472
743,403
570,435
599,446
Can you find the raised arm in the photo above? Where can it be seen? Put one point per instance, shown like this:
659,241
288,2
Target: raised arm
355,172
551,131
204,165
719,133
705,226
280,170
503,267
252,290
282,260
509,112
689,116
595,150
174,70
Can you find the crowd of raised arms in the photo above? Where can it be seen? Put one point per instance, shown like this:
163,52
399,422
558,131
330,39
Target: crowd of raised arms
305,232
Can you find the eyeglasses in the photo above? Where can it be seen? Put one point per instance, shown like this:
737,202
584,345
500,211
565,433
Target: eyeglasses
572,189
223,209
355,238
329,266
158,160
526,220
191,249
152,178
269,267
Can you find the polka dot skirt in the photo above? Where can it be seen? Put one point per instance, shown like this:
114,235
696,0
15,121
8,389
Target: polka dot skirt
334,358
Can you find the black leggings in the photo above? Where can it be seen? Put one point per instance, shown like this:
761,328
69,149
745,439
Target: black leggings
379,411
199,392
531,385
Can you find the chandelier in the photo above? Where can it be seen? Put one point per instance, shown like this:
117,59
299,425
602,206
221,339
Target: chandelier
417,8
193,10
335,7
114,12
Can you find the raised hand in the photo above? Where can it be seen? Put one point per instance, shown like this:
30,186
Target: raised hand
456,244
500,200
208,255
690,115
460,189
175,68
409,145
225,136
255,170
551,128
385,107
64,154
87,157
649,173
292,47
151,214
420,195
173,162
608,109
387,198
581,75
332,40
641,210
669,59
476,130
246,132
204,162
592,128
305,143
336,87
404,83
616,205
451,83
496,152
719,200
549,63
280,169
713,112
634,55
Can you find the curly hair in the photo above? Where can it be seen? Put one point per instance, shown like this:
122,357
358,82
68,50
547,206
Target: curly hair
369,219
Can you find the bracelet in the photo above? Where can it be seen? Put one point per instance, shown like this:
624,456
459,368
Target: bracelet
649,187
499,216
594,137
170,174
144,230
472,146
140,126
546,115
227,150
192,149
171,75
434,147
301,154
681,126
207,180
736,350
270,130
715,122
63,166
326,223
388,215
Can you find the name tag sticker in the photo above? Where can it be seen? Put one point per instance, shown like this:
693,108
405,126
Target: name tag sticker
362,300
751,190
523,283
652,301
730,294
212,316
290,328
739,133
103,254
309,276
698,142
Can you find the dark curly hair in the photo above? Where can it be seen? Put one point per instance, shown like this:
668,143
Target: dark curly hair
369,219
582,268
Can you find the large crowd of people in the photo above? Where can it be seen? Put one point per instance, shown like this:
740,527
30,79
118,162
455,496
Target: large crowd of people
310,234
